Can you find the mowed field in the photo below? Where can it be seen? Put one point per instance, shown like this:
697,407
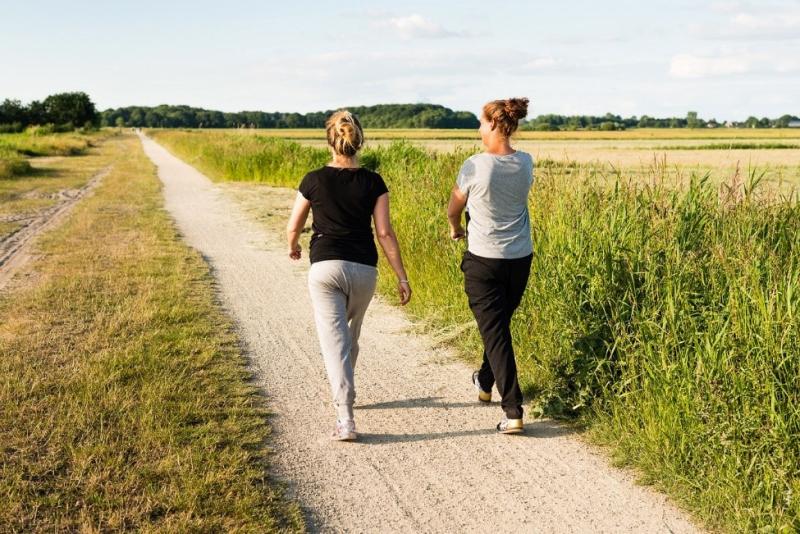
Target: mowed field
662,309
719,151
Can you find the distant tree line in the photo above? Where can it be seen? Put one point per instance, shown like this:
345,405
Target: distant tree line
64,111
379,116
616,122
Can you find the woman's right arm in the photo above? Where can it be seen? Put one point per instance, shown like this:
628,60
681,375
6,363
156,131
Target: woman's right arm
297,220
388,241
458,201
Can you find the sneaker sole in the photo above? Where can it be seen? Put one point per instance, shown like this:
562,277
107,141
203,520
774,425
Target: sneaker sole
512,431
348,437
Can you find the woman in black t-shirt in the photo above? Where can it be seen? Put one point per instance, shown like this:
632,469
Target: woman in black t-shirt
345,199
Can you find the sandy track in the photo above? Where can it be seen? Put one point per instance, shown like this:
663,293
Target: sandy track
428,459
15,249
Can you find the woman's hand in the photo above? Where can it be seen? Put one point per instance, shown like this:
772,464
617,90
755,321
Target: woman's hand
404,288
295,252
457,232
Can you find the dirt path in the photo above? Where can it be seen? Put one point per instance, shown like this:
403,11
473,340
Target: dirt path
15,249
428,459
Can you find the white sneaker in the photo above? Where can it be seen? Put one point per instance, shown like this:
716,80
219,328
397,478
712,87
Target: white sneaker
344,431
483,396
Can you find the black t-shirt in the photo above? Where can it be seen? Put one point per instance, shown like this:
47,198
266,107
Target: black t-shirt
342,201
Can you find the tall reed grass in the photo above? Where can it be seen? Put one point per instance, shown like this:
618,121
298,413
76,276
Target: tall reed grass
664,318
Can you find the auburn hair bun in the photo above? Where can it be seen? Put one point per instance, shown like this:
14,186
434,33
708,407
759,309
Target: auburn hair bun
516,108
506,114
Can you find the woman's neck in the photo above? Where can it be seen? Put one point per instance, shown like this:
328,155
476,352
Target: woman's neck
344,162
499,146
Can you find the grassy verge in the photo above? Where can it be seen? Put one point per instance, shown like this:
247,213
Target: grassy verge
124,402
51,144
40,184
665,319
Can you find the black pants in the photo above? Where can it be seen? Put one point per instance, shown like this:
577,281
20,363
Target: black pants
494,288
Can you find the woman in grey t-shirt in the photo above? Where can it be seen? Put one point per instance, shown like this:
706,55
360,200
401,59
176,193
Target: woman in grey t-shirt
493,186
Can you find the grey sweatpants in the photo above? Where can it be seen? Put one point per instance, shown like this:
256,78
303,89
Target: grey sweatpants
340,292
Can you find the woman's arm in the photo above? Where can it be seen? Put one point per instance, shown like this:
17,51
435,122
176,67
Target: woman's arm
388,241
297,220
458,201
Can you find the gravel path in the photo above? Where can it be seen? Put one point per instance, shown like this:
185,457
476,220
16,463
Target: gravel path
428,459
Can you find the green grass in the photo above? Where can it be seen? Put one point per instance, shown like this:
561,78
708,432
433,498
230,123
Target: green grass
57,144
15,149
28,194
665,319
124,401
12,164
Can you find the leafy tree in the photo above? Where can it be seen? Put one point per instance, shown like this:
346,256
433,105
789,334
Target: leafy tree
12,111
69,108
783,121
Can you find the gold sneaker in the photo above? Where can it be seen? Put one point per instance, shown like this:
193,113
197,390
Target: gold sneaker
510,426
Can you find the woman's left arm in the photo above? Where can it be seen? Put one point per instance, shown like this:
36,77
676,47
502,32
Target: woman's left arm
297,220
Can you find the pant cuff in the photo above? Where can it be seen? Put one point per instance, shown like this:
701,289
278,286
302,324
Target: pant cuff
344,412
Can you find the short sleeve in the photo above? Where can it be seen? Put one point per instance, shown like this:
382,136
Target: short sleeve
307,186
465,176
379,187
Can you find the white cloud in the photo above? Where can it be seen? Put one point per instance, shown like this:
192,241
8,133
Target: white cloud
539,63
418,27
762,21
696,66
691,66
767,24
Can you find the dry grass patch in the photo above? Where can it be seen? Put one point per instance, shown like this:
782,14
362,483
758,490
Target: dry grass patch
124,402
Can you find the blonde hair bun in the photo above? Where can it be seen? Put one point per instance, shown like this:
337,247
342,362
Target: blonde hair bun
344,133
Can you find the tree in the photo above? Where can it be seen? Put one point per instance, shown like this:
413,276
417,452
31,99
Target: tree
12,111
66,108
783,121
691,119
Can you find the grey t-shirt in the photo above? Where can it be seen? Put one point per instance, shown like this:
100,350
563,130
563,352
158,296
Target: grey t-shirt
497,190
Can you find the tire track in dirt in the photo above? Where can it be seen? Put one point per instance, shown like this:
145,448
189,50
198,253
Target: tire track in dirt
15,248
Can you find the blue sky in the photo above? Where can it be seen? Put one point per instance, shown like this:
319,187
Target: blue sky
724,59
